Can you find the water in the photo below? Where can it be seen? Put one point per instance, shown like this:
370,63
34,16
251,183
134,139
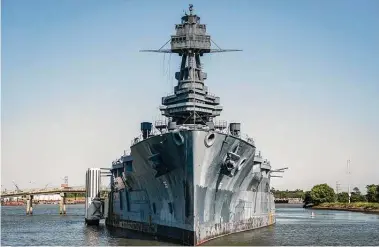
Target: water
294,226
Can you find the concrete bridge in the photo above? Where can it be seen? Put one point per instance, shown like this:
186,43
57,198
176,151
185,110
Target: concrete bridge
29,194
78,189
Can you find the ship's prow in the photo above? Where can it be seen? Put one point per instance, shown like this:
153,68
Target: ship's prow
192,185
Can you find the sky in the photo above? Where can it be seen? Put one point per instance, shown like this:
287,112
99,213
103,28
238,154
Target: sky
74,86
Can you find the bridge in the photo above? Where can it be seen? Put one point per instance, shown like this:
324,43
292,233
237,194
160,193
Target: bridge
29,194
78,189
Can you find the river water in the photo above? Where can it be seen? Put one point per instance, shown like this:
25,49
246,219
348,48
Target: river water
294,226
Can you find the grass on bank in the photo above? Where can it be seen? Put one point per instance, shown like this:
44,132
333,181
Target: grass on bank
352,205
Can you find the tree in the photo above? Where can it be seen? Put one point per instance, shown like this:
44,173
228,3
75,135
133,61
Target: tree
322,193
307,197
288,194
356,190
343,197
372,193
357,197
377,193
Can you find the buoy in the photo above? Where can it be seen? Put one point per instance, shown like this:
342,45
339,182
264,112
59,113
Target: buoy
313,215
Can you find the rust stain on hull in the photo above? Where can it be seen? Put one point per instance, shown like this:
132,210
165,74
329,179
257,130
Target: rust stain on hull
224,229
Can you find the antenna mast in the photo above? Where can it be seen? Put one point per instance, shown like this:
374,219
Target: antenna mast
191,102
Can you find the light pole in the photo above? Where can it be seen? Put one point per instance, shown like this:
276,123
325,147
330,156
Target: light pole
348,178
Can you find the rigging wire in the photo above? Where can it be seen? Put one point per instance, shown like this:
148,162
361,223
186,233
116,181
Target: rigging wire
171,78
167,74
169,69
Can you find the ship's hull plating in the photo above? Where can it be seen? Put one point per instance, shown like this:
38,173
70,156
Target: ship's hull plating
179,189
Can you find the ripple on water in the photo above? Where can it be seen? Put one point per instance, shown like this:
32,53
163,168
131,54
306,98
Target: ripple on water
294,227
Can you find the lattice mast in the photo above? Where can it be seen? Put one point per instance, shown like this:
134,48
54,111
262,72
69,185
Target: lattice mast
190,103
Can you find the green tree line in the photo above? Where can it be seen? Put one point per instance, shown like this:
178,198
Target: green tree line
73,195
288,193
83,194
322,193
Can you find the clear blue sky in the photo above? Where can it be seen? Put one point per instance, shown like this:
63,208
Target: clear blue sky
75,87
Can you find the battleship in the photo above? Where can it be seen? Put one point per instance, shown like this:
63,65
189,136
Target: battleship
188,177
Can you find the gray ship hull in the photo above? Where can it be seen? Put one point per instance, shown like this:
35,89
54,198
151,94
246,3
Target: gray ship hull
178,187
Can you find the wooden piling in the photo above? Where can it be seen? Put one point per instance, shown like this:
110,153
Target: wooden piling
29,205
62,204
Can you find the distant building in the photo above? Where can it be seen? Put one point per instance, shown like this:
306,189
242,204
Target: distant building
16,198
52,197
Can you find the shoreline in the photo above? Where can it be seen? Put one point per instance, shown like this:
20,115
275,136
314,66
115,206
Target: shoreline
352,209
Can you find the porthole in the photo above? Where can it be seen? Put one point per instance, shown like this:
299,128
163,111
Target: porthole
178,138
210,139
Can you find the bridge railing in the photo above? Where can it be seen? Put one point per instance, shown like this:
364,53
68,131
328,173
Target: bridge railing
33,191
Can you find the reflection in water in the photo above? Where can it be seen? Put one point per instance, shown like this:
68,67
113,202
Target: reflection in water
47,227
92,234
294,226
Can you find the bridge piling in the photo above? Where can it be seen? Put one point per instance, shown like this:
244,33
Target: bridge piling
62,204
29,205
